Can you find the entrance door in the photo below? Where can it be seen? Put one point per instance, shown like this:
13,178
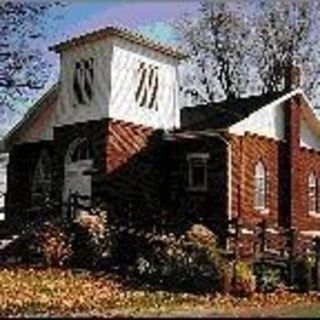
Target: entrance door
77,165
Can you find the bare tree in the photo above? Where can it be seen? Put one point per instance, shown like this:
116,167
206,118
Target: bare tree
247,47
216,40
23,66
285,36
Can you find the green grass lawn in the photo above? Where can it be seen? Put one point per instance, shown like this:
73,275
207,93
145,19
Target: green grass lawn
312,311
53,292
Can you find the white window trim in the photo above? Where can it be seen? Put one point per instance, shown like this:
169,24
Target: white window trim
262,210
204,158
314,214
71,149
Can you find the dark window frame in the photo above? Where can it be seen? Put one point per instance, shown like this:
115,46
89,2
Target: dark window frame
198,162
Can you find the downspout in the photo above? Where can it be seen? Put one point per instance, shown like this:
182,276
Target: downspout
229,191
229,174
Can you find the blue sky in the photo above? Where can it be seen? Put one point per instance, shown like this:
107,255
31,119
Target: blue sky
83,16
152,18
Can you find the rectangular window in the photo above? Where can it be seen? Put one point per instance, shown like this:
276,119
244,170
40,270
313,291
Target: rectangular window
197,171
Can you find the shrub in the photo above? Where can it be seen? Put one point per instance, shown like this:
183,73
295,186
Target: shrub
53,245
89,239
244,282
189,262
302,274
41,242
268,279
202,236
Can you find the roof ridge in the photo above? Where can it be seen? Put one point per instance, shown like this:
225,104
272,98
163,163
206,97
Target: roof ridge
228,112
122,32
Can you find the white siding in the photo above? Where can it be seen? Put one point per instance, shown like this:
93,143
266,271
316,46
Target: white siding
126,59
115,64
308,138
68,111
40,127
267,121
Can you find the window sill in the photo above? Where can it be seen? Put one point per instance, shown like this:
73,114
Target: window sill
262,211
197,189
314,214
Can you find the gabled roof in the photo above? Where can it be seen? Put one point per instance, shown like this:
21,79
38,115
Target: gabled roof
220,116
38,107
121,33
223,114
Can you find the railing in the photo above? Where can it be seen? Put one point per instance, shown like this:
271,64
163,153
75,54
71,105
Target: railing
283,255
75,203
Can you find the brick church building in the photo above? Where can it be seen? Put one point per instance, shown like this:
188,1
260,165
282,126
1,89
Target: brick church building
112,129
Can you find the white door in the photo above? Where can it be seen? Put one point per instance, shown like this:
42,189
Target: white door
77,181
77,167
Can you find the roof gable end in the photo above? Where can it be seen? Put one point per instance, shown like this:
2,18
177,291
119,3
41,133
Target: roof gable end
121,33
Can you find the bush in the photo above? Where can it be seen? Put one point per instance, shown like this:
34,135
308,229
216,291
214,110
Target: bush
89,239
190,262
302,274
244,281
42,242
53,244
268,279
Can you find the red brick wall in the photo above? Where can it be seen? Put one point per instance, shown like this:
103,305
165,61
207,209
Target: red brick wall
134,163
292,147
288,166
22,162
124,141
247,151
305,162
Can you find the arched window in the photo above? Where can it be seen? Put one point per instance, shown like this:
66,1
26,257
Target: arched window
312,193
42,180
260,186
78,150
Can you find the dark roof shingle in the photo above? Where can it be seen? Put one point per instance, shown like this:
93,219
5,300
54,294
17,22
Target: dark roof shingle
223,114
